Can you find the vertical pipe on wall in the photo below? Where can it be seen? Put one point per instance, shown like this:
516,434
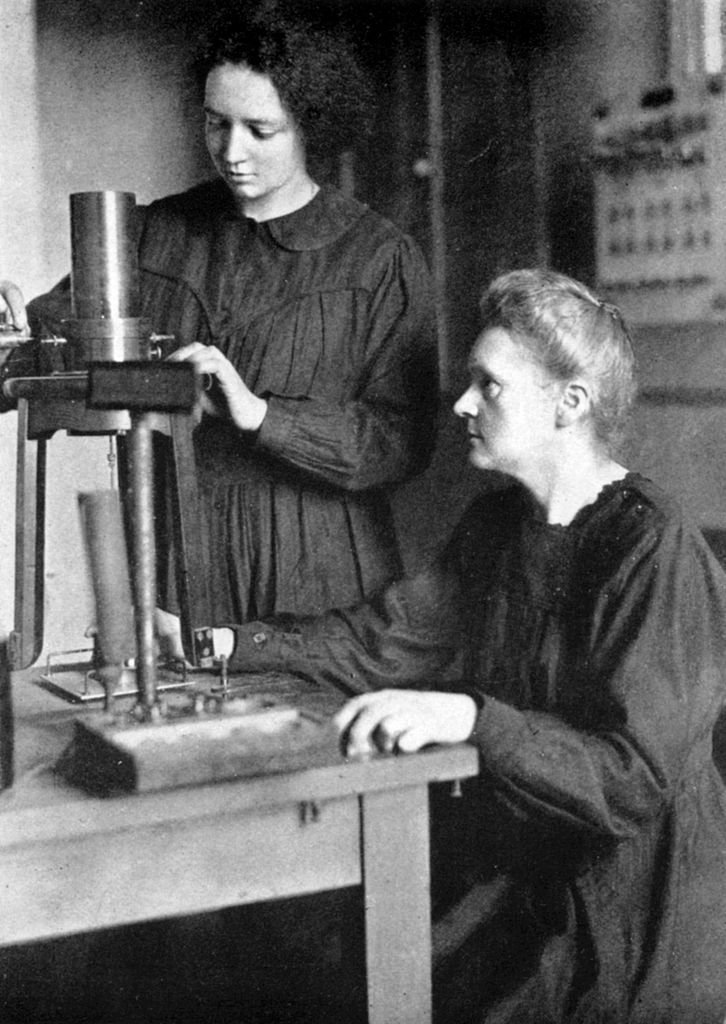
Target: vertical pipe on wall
402,135
712,37
436,202
686,40
542,247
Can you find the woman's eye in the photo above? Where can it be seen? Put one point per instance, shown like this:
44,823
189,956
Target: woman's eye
489,388
263,133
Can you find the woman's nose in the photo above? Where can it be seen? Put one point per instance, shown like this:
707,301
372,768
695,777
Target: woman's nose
235,146
465,406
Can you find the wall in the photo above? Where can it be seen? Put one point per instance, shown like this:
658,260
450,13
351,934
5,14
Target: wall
95,96
522,80
99,97
561,63
605,53
592,52
19,220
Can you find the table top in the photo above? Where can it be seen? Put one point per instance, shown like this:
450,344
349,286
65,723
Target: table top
42,805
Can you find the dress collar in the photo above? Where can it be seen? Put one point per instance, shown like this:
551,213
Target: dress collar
327,216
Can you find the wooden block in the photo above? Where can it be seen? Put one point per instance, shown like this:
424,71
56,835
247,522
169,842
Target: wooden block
116,754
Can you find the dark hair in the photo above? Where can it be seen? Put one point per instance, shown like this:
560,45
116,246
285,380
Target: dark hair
571,333
312,66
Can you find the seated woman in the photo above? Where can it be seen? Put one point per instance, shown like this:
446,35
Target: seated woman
574,629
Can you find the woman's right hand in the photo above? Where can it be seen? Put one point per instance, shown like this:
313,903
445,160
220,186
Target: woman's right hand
13,305
229,395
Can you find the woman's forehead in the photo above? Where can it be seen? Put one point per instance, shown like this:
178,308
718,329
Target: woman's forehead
237,90
497,348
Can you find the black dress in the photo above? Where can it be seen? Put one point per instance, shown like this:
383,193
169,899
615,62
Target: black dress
598,654
326,312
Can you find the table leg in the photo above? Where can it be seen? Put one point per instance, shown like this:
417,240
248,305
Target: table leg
396,879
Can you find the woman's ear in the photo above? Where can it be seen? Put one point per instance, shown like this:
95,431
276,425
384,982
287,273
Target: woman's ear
575,403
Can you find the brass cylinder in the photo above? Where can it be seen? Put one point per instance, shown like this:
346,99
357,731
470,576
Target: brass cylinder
104,263
103,529
105,325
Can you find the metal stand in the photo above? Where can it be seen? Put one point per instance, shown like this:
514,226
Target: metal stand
43,409
108,377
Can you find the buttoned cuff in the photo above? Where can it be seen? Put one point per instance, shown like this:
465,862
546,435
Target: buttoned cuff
261,647
276,427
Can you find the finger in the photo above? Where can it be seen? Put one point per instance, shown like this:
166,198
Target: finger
186,352
361,735
413,739
352,708
387,733
15,304
403,730
356,740
210,365
343,718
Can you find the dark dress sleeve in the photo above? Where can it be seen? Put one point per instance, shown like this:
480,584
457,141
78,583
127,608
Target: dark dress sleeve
637,712
408,635
385,433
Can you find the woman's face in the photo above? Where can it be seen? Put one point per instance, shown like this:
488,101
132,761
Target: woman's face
254,142
510,407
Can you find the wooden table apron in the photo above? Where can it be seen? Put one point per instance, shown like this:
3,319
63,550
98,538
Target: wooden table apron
72,863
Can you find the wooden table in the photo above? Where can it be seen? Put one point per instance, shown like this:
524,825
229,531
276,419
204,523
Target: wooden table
71,863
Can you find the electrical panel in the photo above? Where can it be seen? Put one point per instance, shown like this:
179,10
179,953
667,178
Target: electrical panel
660,204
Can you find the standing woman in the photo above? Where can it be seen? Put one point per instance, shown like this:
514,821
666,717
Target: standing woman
575,631
310,317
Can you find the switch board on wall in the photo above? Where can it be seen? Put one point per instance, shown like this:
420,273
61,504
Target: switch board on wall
660,195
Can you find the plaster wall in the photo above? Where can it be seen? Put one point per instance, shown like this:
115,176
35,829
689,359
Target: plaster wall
98,96
93,98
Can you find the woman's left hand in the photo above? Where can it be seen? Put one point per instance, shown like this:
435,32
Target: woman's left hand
404,720
228,395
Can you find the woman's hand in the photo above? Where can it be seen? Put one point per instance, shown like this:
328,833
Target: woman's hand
167,628
228,396
404,720
11,303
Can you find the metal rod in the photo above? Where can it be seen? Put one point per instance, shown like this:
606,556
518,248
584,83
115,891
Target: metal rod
64,386
7,723
143,567
26,641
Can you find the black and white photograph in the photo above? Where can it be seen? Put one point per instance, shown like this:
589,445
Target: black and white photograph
363,512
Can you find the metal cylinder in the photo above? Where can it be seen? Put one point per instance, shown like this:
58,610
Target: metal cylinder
105,325
103,529
141,471
104,264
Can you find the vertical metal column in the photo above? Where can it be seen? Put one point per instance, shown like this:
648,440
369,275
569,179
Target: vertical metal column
686,40
26,640
7,723
143,556
436,207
